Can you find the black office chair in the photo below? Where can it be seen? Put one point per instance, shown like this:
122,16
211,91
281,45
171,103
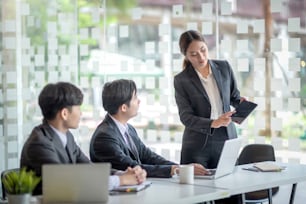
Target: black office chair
257,153
2,176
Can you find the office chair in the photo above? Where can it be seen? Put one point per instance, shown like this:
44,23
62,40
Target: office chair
257,153
2,176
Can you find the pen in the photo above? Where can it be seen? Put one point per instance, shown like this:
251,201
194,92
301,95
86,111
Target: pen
121,192
128,190
251,169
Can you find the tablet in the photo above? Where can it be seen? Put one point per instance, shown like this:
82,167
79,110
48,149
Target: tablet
243,111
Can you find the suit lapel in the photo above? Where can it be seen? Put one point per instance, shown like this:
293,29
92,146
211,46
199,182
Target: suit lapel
195,80
58,145
109,120
118,134
69,148
127,150
217,76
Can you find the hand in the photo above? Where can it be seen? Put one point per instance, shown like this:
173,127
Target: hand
223,120
133,176
173,169
199,169
242,99
140,173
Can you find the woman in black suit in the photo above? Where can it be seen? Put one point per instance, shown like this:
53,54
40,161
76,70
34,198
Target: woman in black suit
204,92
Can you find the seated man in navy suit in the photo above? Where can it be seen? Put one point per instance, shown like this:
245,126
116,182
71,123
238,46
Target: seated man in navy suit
52,142
116,141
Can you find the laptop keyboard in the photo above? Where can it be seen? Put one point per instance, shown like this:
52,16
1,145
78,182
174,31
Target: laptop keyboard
211,172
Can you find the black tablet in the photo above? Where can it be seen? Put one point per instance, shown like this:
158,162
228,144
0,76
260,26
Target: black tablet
243,110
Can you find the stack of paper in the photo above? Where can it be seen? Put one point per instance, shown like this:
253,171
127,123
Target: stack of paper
268,166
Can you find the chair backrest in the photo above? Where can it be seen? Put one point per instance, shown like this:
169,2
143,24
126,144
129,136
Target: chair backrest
256,153
3,173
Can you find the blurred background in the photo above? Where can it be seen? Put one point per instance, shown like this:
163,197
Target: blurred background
91,42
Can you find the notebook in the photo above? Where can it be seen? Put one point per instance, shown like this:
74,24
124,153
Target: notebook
227,161
83,183
243,111
132,188
265,166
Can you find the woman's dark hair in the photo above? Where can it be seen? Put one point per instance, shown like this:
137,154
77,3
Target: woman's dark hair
185,39
117,93
55,97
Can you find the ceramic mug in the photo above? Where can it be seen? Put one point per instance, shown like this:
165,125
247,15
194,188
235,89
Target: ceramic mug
185,174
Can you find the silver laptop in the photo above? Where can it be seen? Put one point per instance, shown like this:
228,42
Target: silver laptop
81,183
227,161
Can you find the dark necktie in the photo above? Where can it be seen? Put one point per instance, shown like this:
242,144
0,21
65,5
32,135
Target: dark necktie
132,146
68,154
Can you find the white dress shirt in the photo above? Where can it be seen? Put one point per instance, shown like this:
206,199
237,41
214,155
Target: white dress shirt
211,88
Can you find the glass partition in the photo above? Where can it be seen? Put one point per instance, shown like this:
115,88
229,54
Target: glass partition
92,42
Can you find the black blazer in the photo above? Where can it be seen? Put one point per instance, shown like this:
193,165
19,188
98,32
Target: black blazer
44,147
108,145
194,105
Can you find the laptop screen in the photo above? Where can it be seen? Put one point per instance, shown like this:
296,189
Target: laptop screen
228,157
227,161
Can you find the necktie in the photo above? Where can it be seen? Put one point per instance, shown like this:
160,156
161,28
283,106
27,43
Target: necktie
132,146
68,154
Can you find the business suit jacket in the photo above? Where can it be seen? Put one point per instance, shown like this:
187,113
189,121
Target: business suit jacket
44,147
108,145
194,105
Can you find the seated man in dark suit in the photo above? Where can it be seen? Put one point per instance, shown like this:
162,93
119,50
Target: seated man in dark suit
52,142
117,142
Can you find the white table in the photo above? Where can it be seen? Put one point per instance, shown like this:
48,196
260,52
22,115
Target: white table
243,181
162,191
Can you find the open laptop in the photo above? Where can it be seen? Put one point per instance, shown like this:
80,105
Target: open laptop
227,161
79,183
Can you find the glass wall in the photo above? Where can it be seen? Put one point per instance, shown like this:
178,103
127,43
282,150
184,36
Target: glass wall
92,42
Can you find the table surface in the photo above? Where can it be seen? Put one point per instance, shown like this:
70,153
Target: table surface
162,191
171,192
243,181
240,181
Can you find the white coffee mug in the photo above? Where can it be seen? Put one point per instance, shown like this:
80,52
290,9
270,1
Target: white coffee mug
185,174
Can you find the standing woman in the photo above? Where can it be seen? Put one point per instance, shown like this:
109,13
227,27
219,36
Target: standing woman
204,91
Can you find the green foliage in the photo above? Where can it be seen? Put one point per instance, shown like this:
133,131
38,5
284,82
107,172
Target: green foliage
293,125
20,182
122,5
82,9
38,31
